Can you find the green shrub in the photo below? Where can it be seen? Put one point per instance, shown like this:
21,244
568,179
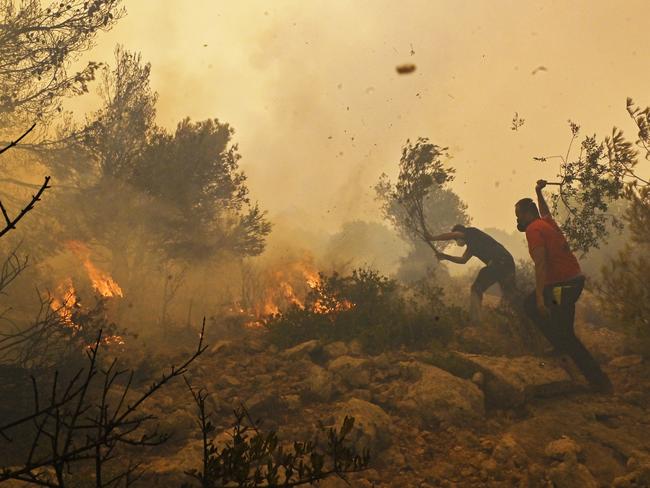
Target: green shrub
368,307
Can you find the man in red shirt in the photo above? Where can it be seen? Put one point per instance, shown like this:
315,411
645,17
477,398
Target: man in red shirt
558,285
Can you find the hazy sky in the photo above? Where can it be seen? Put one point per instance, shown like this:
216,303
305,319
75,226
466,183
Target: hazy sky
319,111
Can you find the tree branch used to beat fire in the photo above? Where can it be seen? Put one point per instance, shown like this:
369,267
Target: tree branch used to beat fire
414,203
603,172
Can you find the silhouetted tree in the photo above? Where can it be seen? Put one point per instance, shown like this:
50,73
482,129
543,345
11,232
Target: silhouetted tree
37,46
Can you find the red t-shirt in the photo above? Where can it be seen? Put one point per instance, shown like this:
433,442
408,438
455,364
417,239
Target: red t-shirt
561,264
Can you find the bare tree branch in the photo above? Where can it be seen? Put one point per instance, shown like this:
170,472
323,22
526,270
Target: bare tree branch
15,143
10,223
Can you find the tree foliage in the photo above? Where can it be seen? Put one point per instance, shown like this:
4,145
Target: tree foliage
420,204
182,193
370,308
624,291
209,208
117,135
600,175
38,44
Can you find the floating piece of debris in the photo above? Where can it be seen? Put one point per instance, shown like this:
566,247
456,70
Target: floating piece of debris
404,69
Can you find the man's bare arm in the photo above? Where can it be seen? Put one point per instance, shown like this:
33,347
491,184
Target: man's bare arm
456,259
447,236
544,211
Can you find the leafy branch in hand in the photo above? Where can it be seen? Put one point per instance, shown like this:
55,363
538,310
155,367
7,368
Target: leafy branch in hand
421,185
589,184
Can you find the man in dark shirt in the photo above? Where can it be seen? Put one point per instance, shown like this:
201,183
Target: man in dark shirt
558,285
500,266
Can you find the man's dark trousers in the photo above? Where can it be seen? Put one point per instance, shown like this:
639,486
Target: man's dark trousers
561,298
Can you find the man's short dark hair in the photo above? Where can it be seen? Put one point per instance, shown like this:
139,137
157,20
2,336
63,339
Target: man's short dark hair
458,228
527,205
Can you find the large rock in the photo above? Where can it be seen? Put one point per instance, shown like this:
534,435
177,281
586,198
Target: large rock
637,477
507,451
571,474
438,396
336,349
568,472
511,382
302,350
563,449
353,371
371,424
605,344
625,362
318,385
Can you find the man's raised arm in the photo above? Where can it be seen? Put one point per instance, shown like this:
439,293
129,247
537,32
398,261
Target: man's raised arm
541,202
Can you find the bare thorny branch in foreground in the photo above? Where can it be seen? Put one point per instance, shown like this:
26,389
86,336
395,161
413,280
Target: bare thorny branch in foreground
10,222
85,421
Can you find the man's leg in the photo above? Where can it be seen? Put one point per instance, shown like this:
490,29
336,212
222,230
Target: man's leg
508,285
486,277
571,345
543,324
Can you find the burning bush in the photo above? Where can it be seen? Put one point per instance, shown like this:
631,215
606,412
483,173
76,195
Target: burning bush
368,307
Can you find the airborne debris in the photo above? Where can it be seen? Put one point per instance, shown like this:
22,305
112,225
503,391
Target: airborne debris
404,69
538,69
412,50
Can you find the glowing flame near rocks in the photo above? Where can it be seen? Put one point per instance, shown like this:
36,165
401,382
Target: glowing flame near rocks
101,281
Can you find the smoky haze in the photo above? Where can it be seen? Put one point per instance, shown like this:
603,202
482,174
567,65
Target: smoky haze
320,112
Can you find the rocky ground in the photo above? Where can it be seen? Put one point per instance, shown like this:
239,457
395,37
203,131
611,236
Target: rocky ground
470,421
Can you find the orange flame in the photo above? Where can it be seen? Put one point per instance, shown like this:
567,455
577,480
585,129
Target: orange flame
290,286
64,301
101,281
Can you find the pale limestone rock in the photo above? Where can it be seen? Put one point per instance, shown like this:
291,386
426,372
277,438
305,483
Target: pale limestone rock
438,396
512,381
371,423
